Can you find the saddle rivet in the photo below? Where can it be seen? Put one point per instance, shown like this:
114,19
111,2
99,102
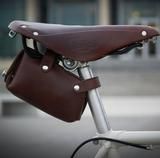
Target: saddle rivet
76,87
144,33
24,26
44,67
35,33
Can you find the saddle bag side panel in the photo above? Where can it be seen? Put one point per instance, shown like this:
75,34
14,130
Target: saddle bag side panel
52,91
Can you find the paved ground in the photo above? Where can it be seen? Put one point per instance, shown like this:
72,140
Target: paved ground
48,137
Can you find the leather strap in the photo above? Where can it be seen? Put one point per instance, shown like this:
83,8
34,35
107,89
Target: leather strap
48,61
87,85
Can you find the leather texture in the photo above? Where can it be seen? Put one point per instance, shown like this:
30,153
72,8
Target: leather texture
52,89
83,43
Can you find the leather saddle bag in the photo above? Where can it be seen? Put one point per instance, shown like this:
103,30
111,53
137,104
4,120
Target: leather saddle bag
45,84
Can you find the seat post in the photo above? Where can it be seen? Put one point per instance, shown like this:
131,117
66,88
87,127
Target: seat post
95,103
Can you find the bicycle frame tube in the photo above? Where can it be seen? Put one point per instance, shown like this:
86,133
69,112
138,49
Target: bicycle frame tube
110,149
95,103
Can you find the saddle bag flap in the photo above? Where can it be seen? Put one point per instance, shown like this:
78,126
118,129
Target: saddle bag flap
46,85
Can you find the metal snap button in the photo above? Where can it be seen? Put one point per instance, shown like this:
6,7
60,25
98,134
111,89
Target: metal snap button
3,74
35,33
24,26
144,33
76,88
44,67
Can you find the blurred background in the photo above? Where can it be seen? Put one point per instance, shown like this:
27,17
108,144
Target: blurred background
130,83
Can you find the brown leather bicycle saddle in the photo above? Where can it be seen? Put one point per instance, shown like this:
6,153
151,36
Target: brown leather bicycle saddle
83,43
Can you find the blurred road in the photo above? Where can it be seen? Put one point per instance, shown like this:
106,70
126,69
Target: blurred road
47,137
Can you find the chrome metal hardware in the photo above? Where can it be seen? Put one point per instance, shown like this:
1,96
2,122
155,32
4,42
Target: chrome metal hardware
95,103
35,33
44,67
70,64
154,39
76,88
3,74
12,34
144,33
140,48
24,26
